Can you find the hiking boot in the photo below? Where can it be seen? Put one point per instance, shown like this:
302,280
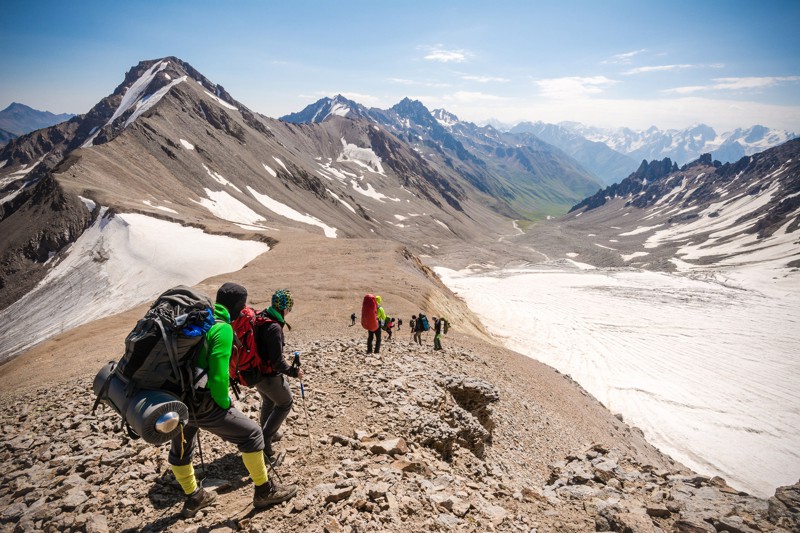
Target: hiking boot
197,500
269,494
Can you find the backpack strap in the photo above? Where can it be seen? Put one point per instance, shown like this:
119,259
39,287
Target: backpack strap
171,343
103,389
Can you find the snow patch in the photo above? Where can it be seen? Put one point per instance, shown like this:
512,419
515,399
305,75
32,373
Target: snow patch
159,207
281,164
131,96
220,179
634,255
371,192
186,144
221,102
286,211
348,206
223,205
90,204
270,170
117,263
640,229
364,157
149,101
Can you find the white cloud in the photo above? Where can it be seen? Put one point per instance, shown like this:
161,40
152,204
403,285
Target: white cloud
439,54
623,58
485,79
573,87
735,84
657,68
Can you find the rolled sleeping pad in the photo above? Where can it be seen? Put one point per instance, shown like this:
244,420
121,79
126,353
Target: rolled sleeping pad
155,415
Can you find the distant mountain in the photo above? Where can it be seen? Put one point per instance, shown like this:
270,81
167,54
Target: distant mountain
606,163
684,145
704,212
6,136
317,112
523,176
20,119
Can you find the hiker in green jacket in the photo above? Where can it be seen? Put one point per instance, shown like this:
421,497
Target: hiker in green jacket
213,411
377,333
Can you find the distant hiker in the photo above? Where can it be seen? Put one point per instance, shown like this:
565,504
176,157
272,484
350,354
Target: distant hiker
439,324
399,323
213,411
419,329
276,396
388,327
353,319
411,325
372,319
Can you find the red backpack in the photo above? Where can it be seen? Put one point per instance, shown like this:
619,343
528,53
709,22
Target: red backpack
246,366
369,313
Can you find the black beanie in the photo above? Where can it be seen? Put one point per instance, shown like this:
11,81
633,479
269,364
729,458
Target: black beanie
233,296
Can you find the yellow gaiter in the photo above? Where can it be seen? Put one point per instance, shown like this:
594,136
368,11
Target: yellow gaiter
254,463
185,476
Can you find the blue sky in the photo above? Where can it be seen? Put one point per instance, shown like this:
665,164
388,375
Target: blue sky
607,63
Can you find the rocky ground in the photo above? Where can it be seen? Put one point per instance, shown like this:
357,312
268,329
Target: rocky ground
474,438
409,440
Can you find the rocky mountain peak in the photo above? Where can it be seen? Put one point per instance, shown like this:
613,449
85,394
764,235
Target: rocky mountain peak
326,107
445,118
413,109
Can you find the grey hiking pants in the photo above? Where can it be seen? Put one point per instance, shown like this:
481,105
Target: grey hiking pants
276,403
230,425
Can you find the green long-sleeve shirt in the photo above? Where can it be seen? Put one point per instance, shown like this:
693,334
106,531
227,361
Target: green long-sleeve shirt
216,355
381,312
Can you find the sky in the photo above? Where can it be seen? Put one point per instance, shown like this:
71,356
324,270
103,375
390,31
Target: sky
613,63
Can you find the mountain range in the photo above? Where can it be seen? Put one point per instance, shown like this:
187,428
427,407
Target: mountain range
531,176
169,143
19,119
170,180
683,146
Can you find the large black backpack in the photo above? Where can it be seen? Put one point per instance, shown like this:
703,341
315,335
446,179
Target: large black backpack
156,374
160,351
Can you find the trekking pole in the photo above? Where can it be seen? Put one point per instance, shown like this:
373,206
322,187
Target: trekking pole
296,364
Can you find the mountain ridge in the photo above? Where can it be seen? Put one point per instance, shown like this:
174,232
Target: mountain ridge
19,119
522,172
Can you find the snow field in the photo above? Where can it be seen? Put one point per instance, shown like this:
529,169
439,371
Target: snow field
116,264
709,372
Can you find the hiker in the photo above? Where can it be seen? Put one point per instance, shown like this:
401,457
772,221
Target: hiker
353,319
276,396
411,325
213,411
376,334
438,324
399,323
418,329
388,327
